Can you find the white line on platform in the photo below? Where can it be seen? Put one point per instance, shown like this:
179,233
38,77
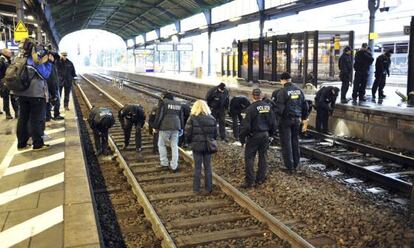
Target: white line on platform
8,158
31,227
51,143
34,163
56,130
30,188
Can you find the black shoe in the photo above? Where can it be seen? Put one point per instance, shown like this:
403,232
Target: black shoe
39,148
343,100
382,96
362,99
246,185
8,116
176,170
260,182
59,118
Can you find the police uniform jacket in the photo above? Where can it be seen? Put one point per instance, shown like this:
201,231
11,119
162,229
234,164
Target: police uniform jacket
259,118
382,65
198,129
363,60
186,112
238,104
132,112
325,99
100,118
290,103
170,116
152,117
345,67
217,100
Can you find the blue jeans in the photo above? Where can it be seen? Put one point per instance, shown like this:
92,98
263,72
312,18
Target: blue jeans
172,137
202,159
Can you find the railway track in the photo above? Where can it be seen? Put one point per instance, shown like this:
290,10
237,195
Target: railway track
180,218
387,169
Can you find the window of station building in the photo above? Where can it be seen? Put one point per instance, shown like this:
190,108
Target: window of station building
139,40
233,9
168,30
401,48
151,35
130,43
193,22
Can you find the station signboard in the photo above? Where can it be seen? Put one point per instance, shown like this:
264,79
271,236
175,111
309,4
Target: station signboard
184,47
165,47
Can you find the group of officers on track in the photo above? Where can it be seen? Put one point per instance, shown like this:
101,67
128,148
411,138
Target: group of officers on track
254,125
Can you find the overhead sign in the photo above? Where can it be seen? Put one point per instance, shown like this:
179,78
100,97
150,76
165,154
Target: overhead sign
184,47
20,31
373,36
407,30
165,47
337,42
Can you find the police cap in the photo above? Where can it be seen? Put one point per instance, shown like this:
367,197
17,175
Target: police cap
285,76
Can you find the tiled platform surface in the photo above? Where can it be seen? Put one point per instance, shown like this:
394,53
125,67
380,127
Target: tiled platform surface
45,199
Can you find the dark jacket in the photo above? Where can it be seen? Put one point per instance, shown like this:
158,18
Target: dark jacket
66,71
291,103
4,63
198,129
101,118
345,67
259,118
325,99
238,104
382,65
363,60
53,82
170,116
186,112
217,100
132,112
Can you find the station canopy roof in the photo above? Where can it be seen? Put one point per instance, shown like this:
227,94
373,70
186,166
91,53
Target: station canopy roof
127,18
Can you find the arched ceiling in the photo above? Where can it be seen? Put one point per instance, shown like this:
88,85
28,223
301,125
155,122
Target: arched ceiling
127,18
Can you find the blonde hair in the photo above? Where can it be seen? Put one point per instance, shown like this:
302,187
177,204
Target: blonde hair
200,107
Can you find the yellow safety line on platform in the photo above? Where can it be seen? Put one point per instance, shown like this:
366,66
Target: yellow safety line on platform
31,227
34,163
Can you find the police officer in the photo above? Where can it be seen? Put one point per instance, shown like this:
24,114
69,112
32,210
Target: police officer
345,67
186,115
237,105
363,61
291,108
100,120
382,69
325,103
218,100
169,123
257,127
132,115
5,57
66,72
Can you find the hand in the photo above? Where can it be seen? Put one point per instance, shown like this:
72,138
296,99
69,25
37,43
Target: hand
331,112
180,132
304,126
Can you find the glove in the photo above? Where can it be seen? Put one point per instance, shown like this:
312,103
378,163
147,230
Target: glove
180,132
304,125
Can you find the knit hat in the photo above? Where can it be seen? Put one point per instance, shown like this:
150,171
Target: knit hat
285,76
221,86
256,92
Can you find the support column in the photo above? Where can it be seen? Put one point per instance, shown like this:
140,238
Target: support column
274,58
352,44
288,52
305,57
249,60
207,15
315,58
410,76
20,10
262,17
261,58
240,58
373,6
178,29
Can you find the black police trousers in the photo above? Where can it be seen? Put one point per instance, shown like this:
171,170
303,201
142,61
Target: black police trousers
7,98
289,139
68,87
344,87
101,141
258,142
360,83
237,119
379,84
127,133
322,117
220,116
31,121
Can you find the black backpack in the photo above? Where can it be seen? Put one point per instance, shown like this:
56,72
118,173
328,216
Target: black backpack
17,76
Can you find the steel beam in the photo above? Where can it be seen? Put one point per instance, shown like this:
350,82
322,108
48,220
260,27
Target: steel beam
410,76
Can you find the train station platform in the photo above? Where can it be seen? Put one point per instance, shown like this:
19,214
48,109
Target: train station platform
389,123
45,199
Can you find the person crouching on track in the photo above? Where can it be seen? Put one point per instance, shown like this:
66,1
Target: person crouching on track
218,100
169,122
201,134
237,105
100,120
130,115
258,125
325,103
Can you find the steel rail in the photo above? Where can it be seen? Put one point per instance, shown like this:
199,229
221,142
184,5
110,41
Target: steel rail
274,225
157,226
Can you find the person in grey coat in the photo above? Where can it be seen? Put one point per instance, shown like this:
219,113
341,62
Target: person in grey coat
200,127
